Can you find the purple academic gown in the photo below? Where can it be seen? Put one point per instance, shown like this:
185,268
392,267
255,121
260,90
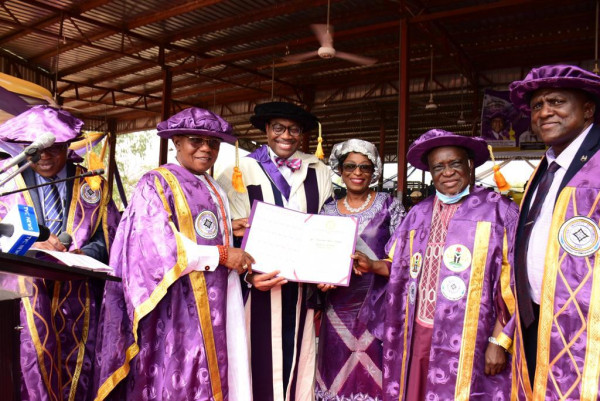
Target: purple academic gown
568,350
350,352
470,298
163,333
60,319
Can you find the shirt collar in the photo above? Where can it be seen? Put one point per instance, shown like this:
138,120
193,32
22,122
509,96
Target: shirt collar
273,156
566,156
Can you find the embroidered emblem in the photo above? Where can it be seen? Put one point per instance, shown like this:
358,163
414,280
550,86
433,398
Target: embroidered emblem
412,292
453,288
89,196
457,258
583,158
206,225
579,236
416,261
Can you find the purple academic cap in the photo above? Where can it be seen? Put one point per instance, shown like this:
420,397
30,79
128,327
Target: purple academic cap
554,76
196,121
417,153
29,125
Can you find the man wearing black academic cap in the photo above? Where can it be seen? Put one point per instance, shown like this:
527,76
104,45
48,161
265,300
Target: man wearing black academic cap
281,328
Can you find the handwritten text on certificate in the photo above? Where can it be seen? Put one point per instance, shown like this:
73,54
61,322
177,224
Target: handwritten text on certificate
305,247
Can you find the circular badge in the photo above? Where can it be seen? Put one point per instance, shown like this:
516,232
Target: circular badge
412,292
416,261
206,225
453,288
579,236
457,258
89,195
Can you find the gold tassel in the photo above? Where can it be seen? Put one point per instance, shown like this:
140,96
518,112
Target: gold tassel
94,162
319,153
498,177
511,133
237,180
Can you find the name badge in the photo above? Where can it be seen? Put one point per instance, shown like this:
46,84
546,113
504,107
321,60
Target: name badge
579,236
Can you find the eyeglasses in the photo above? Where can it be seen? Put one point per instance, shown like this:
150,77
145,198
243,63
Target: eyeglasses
364,168
279,129
198,142
56,149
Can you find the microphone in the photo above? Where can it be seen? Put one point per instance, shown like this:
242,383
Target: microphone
19,230
44,141
65,239
7,230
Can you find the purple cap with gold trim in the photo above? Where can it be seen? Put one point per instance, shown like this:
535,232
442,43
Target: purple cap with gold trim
29,125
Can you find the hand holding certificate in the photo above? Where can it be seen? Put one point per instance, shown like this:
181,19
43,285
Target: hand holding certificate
303,247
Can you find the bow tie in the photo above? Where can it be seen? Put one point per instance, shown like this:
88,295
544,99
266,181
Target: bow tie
292,164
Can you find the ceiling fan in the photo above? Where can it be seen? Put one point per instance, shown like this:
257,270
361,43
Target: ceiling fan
324,33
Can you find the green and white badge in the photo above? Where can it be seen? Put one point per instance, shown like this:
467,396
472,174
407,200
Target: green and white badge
416,261
457,258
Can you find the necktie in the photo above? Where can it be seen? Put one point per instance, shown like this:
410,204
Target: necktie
525,307
53,209
292,164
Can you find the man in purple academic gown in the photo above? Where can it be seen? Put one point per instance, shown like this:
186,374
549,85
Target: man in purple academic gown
449,309
281,328
60,319
174,329
556,253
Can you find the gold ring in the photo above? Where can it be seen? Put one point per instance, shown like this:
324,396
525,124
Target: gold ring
245,266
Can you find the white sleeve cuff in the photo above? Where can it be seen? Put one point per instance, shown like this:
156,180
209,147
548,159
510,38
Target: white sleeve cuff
199,257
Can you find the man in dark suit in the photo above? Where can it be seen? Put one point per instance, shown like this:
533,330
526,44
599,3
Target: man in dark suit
59,320
556,253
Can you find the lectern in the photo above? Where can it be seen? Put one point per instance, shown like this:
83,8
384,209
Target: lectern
10,375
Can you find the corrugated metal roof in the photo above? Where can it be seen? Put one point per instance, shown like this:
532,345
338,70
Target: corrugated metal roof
108,56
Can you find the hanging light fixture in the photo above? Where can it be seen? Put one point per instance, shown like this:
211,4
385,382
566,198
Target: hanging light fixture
461,118
431,105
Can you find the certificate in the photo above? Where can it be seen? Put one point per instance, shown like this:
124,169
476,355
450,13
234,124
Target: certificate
308,248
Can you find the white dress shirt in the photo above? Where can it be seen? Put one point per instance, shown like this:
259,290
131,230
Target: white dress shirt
60,186
206,257
291,177
538,241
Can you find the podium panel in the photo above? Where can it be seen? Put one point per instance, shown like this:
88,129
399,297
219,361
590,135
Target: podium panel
11,268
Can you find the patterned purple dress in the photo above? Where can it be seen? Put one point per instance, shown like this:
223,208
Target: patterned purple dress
350,350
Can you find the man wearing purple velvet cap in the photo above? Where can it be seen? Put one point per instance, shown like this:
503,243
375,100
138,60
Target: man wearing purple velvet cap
281,328
60,319
449,315
174,329
556,253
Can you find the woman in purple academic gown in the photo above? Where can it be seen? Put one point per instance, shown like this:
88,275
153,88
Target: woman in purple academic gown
350,350
174,328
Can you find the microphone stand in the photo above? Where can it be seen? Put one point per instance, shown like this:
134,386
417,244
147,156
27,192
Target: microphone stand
90,173
33,159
